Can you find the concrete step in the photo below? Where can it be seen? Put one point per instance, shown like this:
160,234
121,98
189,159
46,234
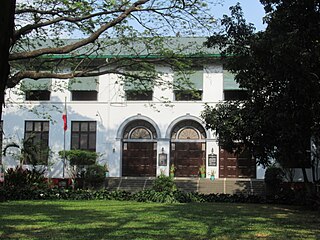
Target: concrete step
129,184
187,185
232,186
205,186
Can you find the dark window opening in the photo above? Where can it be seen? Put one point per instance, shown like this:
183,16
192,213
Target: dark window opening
235,95
84,95
134,95
37,95
36,142
83,135
188,95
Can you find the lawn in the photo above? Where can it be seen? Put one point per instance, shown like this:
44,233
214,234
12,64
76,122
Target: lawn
132,220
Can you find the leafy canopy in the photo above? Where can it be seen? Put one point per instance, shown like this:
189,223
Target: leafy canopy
97,30
279,68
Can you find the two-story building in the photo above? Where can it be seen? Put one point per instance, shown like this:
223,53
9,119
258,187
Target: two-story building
137,132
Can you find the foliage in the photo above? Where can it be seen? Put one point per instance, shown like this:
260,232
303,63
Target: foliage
148,195
24,179
172,168
79,157
31,151
274,175
94,175
279,69
103,27
202,169
164,183
151,195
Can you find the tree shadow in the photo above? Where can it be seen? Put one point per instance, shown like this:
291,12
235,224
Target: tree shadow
132,220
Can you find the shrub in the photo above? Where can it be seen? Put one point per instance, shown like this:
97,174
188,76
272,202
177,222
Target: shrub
164,184
80,157
20,178
151,195
274,175
94,175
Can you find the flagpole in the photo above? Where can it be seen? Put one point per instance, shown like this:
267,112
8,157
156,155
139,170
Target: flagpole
64,141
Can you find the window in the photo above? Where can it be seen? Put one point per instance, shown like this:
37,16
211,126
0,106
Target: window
138,89
188,129
132,95
139,129
231,88
84,95
84,88
36,142
188,84
38,95
83,135
235,94
188,95
36,90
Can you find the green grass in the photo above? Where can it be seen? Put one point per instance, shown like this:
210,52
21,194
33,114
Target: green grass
131,220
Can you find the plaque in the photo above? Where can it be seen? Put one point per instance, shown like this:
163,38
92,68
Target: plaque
162,159
212,160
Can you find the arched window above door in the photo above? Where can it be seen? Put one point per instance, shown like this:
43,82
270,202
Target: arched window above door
188,133
188,130
140,133
139,129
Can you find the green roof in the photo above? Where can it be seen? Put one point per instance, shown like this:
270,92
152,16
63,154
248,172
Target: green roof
132,48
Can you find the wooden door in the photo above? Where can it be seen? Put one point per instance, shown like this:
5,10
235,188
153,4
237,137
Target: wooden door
236,165
187,158
139,159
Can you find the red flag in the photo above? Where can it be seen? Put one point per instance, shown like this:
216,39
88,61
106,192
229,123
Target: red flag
64,117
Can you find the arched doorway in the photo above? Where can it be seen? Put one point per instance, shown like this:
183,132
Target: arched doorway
188,148
139,149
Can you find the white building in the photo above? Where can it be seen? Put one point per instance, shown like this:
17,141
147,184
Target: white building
137,133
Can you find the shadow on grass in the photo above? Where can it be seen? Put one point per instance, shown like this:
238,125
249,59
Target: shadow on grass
132,220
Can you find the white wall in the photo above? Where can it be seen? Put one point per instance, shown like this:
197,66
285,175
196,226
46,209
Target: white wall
110,111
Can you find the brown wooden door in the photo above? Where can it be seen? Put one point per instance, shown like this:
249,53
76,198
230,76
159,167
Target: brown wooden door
236,165
187,158
139,159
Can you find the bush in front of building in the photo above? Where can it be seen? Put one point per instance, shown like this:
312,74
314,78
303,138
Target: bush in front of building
86,172
94,176
79,157
148,195
163,190
19,178
273,178
164,183
20,183
288,192
23,184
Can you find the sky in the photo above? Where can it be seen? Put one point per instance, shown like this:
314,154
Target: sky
252,9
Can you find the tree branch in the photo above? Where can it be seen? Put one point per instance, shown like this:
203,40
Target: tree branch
30,27
71,47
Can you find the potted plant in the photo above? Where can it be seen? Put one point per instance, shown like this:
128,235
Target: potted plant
212,177
106,169
202,171
172,169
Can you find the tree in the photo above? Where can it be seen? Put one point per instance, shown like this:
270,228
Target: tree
104,29
6,28
279,68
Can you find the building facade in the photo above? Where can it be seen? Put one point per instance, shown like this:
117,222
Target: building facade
136,133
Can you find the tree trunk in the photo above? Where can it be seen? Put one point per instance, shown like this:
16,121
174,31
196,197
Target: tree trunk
7,11
305,177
